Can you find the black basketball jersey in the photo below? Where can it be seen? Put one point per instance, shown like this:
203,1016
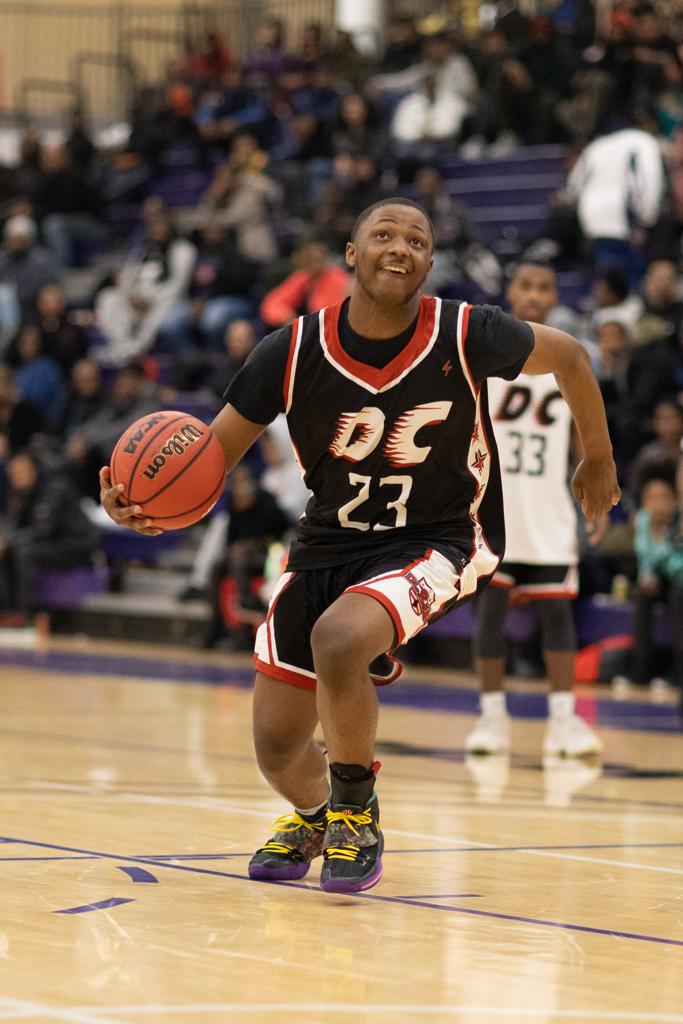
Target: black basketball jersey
395,455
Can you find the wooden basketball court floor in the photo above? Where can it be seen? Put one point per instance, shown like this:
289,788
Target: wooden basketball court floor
513,890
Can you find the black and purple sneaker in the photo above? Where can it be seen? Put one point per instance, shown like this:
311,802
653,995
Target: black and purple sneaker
352,851
288,854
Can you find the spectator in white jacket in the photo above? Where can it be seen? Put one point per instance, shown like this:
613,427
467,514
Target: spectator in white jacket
150,283
618,184
452,72
429,115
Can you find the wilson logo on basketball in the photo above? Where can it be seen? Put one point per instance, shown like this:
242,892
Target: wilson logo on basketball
175,445
136,438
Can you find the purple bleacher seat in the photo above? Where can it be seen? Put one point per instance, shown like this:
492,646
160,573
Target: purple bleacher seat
68,588
127,546
596,618
181,154
200,405
528,160
460,623
180,187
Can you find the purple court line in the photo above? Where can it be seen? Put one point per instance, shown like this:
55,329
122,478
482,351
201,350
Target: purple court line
412,693
115,901
138,874
366,895
162,857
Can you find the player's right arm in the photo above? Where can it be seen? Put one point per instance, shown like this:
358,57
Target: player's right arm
257,389
236,435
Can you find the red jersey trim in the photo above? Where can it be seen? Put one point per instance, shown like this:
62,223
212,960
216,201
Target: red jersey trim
371,377
386,604
301,682
284,675
396,671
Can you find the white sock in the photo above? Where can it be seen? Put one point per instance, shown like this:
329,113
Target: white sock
309,812
561,705
493,703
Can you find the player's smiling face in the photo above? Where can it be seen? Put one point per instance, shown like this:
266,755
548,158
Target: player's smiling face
392,253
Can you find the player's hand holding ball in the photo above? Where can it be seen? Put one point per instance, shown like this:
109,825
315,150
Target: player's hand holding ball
167,471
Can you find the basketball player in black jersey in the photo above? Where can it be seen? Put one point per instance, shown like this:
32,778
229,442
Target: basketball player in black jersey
385,396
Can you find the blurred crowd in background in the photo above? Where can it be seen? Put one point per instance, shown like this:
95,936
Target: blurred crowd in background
117,296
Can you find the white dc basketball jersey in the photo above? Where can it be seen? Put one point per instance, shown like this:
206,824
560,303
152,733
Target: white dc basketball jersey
532,424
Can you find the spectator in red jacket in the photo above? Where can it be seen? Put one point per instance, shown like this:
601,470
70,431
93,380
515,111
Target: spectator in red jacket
316,282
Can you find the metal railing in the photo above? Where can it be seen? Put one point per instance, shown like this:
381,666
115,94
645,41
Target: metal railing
101,48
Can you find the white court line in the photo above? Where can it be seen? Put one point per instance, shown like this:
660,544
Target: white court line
417,1012
537,853
18,1008
218,805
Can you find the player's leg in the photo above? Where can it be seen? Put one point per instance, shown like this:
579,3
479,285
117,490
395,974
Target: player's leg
567,734
284,721
345,640
491,734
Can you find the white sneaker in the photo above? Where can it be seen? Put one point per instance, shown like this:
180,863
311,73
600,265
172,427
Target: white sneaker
661,691
570,736
491,734
622,687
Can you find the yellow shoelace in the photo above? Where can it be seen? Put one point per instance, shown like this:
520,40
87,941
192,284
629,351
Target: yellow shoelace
361,818
342,853
291,822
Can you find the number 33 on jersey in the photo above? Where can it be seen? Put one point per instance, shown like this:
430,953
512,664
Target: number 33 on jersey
532,425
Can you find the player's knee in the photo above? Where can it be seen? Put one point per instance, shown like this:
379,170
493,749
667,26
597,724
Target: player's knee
275,750
338,647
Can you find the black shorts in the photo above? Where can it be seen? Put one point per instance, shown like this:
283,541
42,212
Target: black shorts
415,588
536,582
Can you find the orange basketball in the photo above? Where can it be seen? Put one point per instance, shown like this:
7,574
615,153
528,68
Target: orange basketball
171,465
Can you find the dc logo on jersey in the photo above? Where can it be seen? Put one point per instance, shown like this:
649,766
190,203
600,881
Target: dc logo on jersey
516,401
420,595
358,434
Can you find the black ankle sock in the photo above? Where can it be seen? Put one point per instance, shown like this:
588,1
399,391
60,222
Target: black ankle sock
318,816
351,784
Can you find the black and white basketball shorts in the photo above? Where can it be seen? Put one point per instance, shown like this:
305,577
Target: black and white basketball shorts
414,587
536,582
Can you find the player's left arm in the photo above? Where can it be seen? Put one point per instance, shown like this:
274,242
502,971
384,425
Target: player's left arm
595,479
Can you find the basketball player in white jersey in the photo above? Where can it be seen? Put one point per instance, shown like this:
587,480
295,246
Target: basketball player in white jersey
533,426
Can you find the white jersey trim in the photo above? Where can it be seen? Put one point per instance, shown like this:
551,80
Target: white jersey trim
293,359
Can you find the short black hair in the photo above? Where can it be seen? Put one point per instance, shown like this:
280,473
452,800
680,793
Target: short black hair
539,264
616,280
393,201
